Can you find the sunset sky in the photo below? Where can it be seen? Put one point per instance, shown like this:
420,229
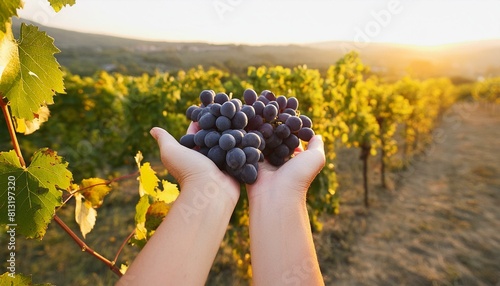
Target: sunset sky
278,21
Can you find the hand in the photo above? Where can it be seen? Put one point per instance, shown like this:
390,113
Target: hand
291,180
191,168
282,246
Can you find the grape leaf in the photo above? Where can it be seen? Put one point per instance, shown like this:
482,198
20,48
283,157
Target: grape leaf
32,75
29,126
19,279
57,5
155,214
36,190
85,214
140,218
95,191
8,53
147,180
8,9
169,193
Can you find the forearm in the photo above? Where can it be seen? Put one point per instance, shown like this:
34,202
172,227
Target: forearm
184,246
281,243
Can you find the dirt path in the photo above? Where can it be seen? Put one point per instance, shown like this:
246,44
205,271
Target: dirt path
441,223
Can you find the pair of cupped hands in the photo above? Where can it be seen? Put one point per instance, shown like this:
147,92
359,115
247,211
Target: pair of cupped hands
285,184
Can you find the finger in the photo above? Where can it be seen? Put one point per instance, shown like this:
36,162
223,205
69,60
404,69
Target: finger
313,158
176,158
193,128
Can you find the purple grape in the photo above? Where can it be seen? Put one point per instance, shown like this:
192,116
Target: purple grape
223,123
188,141
248,174
281,100
207,121
266,129
199,137
251,140
305,134
292,103
249,111
252,155
282,151
217,155
235,158
228,109
270,112
306,121
258,106
250,96
212,139
190,110
283,131
221,97
292,141
207,97
215,109
239,120
227,142
294,123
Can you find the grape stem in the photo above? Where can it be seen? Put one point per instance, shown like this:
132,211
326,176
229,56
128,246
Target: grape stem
12,130
86,248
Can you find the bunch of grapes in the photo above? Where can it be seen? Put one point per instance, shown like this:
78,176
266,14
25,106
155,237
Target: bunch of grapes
236,136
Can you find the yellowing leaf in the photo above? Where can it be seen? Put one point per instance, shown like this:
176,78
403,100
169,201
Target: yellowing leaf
85,215
29,126
7,10
138,159
169,192
32,74
147,180
94,190
57,5
155,214
19,279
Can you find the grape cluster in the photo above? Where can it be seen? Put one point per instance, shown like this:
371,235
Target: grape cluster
236,136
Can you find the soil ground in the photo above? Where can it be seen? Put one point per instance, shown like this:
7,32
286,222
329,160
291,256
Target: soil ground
439,221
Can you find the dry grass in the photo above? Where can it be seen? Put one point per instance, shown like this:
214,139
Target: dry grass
441,223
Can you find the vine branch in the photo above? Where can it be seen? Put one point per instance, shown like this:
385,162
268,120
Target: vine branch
123,245
86,248
12,129
72,194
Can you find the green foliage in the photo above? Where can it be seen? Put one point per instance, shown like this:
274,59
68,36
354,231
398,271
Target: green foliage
487,90
19,279
37,190
32,74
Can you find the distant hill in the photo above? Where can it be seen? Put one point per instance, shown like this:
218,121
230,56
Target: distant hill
84,54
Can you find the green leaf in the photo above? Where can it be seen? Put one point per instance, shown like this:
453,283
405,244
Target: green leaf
32,75
35,188
57,5
19,279
8,9
85,214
